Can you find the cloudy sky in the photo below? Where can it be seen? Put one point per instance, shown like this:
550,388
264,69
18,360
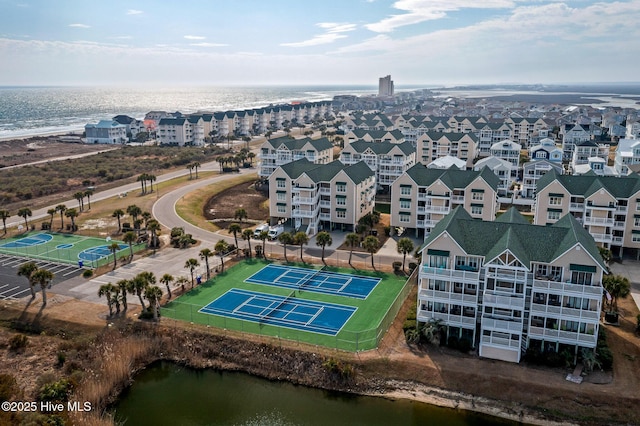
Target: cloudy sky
260,42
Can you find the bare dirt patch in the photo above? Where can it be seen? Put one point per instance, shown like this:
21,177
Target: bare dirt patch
17,152
244,196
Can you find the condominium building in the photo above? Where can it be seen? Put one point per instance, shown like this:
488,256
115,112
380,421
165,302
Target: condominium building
310,197
393,136
525,128
546,150
107,132
388,160
510,151
573,134
503,170
491,133
632,130
532,171
583,151
607,206
421,197
433,145
385,86
181,131
280,151
507,286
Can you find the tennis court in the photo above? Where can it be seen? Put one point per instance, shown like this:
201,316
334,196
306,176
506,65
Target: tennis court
289,311
319,281
64,248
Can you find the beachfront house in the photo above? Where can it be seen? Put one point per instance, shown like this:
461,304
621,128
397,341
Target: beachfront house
280,151
387,159
106,132
507,287
433,145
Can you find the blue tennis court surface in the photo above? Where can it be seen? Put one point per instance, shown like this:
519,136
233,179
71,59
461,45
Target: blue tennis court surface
95,253
289,312
33,240
315,280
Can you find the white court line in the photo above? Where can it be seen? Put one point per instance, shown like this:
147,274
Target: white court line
345,285
315,316
242,304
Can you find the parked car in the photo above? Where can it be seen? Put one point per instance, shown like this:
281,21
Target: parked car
259,229
275,231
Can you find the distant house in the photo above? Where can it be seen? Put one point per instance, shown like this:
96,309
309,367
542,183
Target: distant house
546,150
434,145
503,169
388,160
181,131
627,154
534,170
280,151
107,132
585,150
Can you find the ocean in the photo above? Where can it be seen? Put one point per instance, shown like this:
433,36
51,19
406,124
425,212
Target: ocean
26,111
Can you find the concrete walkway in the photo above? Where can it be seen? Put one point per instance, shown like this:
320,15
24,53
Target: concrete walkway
631,270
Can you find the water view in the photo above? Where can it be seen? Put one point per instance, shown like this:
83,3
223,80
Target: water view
167,394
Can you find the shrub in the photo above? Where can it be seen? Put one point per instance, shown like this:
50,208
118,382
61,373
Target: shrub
338,369
465,345
453,342
396,265
411,313
87,273
56,391
18,342
61,358
605,357
8,387
412,266
387,231
638,323
409,324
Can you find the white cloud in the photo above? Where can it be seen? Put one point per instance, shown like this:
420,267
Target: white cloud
79,26
192,37
428,10
134,12
204,44
332,33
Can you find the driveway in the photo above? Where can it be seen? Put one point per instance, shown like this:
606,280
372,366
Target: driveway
631,270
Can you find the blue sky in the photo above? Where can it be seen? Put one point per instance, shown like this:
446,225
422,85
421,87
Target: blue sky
259,42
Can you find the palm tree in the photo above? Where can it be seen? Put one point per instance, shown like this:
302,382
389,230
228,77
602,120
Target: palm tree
138,285
107,290
371,245
27,270
323,238
235,229
263,237
190,167
142,179
52,213
195,166
72,214
43,277
618,288
114,247
4,215
405,245
79,196
134,211
247,234
130,237
153,226
240,214
181,281
88,193
205,254
221,248
251,156
61,208
152,178
166,280
153,294
146,217
118,213
285,239
353,240
124,287
24,213
191,265
221,161
300,239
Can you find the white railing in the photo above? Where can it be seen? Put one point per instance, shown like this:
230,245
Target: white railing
501,342
503,301
324,203
457,198
602,238
566,312
325,216
425,316
305,200
437,209
567,288
618,224
303,213
429,272
446,296
569,336
325,191
590,220
502,325
621,209
268,156
576,206
617,240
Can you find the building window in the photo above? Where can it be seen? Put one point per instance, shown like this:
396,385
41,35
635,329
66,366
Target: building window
555,201
437,285
635,238
281,184
583,278
341,187
476,210
405,190
404,204
282,209
405,218
282,196
553,215
636,222
341,214
478,196
341,201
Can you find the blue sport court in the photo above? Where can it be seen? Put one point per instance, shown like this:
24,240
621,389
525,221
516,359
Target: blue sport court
30,241
95,253
289,312
315,280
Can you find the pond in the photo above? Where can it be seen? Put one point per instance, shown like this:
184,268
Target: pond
168,394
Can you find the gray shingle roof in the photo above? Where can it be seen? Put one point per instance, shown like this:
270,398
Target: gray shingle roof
325,172
587,184
382,147
452,178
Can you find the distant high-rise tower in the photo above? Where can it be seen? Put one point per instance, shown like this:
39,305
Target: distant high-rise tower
385,86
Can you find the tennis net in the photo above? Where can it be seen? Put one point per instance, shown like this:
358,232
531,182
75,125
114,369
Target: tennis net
306,281
270,312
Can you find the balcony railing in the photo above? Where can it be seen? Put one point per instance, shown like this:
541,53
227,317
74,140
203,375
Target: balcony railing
447,296
452,274
303,213
501,342
618,225
502,325
568,288
576,207
603,221
503,301
458,320
567,336
617,240
602,238
457,199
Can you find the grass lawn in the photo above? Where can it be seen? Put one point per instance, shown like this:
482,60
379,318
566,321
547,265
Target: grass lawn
361,332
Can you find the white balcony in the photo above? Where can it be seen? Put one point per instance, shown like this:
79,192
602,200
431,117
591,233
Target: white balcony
426,223
459,199
305,200
448,297
617,240
576,207
325,191
563,336
455,320
602,238
502,325
451,274
506,302
325,216
501,342
600,221
435,209
298,213
568,289
619,225
621,209
324,203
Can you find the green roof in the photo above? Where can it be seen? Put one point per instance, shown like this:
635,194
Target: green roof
291,144
525,241
326,172
588,184
452,178
381,147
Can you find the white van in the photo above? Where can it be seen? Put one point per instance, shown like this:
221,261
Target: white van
275,231
259,229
